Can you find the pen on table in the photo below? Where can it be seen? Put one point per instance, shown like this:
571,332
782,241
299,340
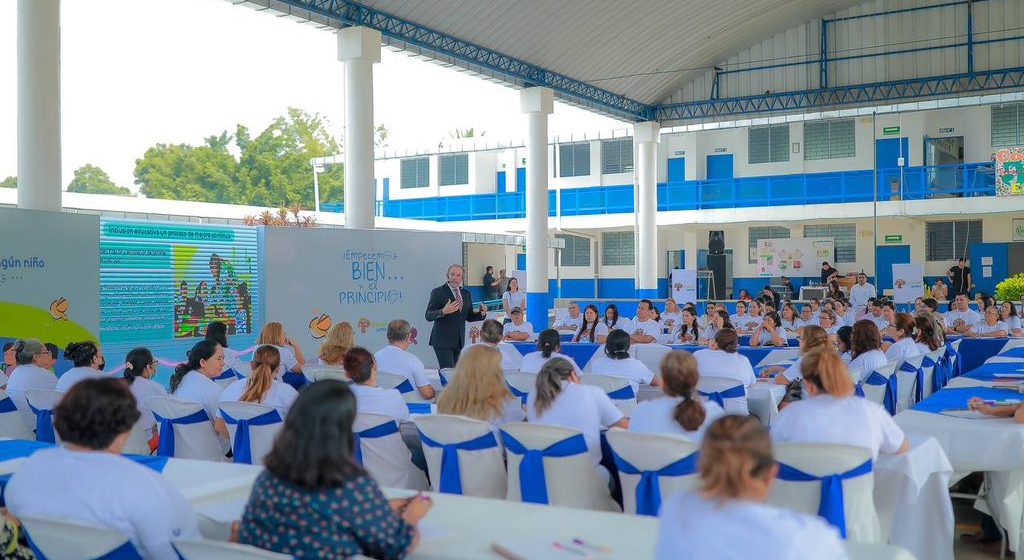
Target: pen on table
561,546
579,542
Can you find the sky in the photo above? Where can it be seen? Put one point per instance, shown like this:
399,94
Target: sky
139,72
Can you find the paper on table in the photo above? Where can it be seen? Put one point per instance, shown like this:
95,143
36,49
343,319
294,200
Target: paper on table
541,549
968,414
431,530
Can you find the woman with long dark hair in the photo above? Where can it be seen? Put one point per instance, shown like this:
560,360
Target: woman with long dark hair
549,344
193,380
617,362
592,329
866,353
613,321
313,480
262,385
139,369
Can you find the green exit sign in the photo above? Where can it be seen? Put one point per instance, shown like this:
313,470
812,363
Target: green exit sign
894,239
890,131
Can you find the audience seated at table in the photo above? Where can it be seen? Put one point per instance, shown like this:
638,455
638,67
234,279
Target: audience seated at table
721,359
828,320
518,329
478,390
812,338
193,381
747,318
902,332
570,321
845,315
618,363
491,332
672,316
87,481
844,343
769,332
791,322
612,320
888,311
876,314
30,355
726,517
593,328
807,317
549,344
87,358
396,358
932,308
687,330
340,339
830,412
927,334
680,410
561,400
866,353
710,310
719,320
139,369
1008,314
960,316
314,500
361,370
218,332
989,326
291,353
262,385
646,328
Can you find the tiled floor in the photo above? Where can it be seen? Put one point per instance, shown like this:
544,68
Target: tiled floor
968,520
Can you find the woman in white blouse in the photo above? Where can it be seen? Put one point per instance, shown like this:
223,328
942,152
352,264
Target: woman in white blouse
478,390
740,318
927,333
990,326
680,411
688,329
672,317
866,353
513,298
361,370
618,363
727,516
193,381
844,315
833,414
139,369
791,322
1008,315
262,385
768,333
722,359
592,329
548,345
753,320
613,321
812,338
827,320
902,331
719,320
291,354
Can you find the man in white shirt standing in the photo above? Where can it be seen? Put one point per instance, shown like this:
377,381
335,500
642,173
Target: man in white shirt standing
491,332
960,318
397,359
646,328
572,321
862,292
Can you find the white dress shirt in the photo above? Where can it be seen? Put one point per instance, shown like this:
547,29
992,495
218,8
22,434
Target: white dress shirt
376,400
392,359
849,420
196,387
862,366
903,349
656,416
861,293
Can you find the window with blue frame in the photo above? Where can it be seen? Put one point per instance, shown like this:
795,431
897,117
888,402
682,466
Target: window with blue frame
574,159
576,252
758,233
453,169
768,144
415,173
829,139
618,248
844,236
948,241
617,156
1008,124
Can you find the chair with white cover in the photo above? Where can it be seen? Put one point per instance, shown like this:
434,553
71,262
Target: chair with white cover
382,451
929,365
728,393
405,387
12,422
53,539
446,375
319,373
835,482
589,366
42,402
138,441
186,431
252,428
218,550
910,382
618,389
226,377
521,384
882,386
652,466
463,455
651,355
551,465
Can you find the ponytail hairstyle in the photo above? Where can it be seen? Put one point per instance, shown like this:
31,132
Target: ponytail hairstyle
828,372
549,382
263,369
359,364
616,346
217,332
925,326
203,350
135,363
548,342
81,353
727,340
735,450
679,377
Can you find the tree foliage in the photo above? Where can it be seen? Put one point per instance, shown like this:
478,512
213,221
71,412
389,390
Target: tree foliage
9,183
94,180
270,169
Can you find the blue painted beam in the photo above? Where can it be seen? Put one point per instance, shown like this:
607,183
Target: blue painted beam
906,10
519,72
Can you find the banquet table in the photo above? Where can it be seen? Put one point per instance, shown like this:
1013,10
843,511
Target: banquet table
583,352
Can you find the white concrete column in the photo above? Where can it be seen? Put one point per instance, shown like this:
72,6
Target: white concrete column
537,103
39,174
646,135
359,49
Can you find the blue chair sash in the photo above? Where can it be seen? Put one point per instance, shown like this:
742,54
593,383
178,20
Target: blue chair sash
953,355
444,380
830,505
877,379
124,552
648,491
44,424
622,394
378,431
943,371
532,486
451,475
229,373
7,405
517,393
296,380
166,446
405,387
927,362
242,446
418,407
718,397
918,372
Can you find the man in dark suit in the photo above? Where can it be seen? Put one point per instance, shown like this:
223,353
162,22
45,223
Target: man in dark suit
449,308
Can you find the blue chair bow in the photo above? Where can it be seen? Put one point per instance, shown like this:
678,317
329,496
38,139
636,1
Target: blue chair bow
877,379
830,505
166,446
926,363
242,445
229,373
418,407
7,405
522,395
44,424
918,372
532,486
296,380
622,394
953,355
378,431
405,387
126,551
718,397
648,491
451,476
944,370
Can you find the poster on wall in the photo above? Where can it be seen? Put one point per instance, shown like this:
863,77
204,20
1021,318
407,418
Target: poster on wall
907,282
1018,229
1009,171
684,285
314,279
49,277
793,257
162,283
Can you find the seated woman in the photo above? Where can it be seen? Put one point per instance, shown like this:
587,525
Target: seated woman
844,342
89,363
932,307
990,326
845,316
813,338
672,316
478,390
291,353
902,331
1008,315
827,320
755,315
722,359
139,369
719,320
613,321
262,386
340,339
361,369
86,480
548,345
727,517
32,357
769,332
740,318
193,381
866,353
618,363
688,331
312,480
791,322
561,400
218,332
939,290
592,329
927,335
831,413
680,411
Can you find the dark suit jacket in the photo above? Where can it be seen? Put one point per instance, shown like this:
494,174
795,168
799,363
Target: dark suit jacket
449,331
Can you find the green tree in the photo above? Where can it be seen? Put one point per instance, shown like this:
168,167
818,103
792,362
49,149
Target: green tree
380,137
9,183
92,179
459,133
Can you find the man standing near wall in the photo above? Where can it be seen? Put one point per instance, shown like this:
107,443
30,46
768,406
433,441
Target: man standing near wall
449,308
959,279
861,293
490,285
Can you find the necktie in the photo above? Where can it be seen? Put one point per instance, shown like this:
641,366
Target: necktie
458,294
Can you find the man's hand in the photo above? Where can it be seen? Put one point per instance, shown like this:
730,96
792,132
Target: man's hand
483,309
451,307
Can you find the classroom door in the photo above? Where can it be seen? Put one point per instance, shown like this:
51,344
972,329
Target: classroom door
989,266
719,167
500,183
676,170
520,179
885,257
887,161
